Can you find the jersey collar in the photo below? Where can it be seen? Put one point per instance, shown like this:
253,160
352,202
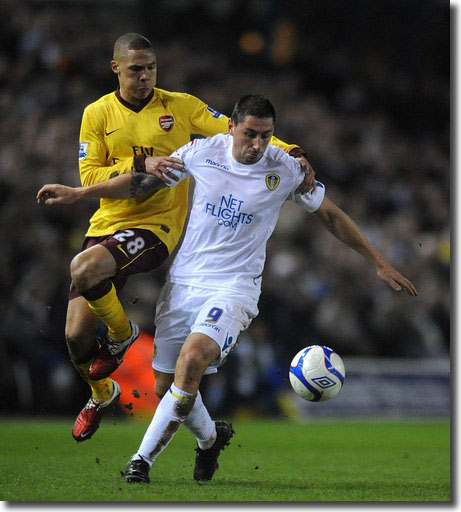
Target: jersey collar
134,108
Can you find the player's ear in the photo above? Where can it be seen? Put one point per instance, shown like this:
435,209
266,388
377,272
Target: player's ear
114,66
231,127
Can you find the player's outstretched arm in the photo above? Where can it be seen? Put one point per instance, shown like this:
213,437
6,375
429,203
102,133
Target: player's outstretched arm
347,231
121,187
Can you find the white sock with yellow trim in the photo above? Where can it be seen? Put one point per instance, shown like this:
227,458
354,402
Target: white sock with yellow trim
171,411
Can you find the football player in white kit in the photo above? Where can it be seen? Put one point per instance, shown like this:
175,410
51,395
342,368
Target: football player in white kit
212,288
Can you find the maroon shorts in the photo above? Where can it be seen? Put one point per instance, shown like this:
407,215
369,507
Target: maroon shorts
135,251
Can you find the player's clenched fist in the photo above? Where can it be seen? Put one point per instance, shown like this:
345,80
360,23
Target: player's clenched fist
57,194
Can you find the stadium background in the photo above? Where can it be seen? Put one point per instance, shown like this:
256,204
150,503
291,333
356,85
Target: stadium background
363,86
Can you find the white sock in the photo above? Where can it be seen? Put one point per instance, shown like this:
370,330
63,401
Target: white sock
200,424
171,412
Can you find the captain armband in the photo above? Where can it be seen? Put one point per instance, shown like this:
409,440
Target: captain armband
295,152
139,162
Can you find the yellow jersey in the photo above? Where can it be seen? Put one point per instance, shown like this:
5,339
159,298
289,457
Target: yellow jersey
116,137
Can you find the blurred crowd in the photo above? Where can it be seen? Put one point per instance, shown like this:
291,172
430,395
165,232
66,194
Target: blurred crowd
363,86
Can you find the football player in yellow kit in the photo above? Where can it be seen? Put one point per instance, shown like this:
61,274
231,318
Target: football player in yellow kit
134,128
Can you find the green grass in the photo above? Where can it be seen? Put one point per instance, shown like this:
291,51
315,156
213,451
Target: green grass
267,460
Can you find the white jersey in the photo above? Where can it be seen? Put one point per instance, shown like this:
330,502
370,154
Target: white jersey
234,212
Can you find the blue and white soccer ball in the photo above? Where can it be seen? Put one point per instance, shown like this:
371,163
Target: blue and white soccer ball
317,373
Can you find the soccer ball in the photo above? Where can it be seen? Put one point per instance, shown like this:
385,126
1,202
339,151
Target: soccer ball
317,373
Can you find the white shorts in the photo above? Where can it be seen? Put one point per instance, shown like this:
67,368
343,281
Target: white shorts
182,310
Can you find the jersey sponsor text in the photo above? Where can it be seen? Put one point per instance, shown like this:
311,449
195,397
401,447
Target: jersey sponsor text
229,212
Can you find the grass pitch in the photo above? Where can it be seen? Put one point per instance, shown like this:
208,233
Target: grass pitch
266,461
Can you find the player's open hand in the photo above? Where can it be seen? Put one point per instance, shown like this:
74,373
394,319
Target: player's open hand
395,280
309,183
56,194
161,166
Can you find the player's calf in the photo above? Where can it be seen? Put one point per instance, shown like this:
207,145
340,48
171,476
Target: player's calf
163,383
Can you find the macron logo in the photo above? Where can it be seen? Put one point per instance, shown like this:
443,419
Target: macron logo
216,164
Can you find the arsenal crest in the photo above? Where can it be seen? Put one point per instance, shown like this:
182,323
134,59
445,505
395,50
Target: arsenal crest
272,181
166,123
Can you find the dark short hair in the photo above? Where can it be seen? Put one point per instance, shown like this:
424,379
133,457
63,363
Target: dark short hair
252,105
131,41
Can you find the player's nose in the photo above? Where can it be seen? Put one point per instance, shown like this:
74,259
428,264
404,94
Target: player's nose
145,75
257,143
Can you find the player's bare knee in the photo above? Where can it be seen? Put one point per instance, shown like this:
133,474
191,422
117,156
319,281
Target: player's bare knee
80,271
192,363
84,272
